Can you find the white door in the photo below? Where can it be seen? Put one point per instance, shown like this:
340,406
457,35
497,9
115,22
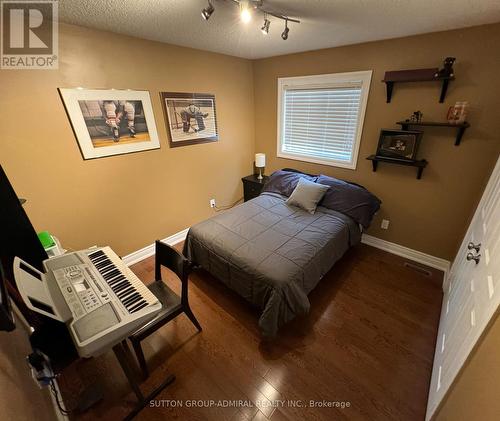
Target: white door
471,293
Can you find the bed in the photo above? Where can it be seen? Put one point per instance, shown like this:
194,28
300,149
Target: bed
271,253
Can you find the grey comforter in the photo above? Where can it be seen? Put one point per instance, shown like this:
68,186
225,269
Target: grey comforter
272,254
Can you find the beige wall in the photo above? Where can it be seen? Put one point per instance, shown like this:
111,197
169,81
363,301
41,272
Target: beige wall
475,394
431,214
128,201
125,201
21,398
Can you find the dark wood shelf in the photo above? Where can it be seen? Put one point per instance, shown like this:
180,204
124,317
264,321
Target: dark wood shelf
416,75
405,125
419,164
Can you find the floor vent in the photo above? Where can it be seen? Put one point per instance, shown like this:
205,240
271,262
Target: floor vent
418,269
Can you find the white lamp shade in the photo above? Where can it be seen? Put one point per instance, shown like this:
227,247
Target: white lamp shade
260,160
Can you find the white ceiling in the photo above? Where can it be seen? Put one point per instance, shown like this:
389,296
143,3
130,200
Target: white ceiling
324,23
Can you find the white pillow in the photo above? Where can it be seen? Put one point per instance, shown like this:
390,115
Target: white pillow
307,195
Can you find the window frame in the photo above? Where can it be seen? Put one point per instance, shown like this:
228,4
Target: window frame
330,80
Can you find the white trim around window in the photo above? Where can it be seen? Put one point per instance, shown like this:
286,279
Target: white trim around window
320,117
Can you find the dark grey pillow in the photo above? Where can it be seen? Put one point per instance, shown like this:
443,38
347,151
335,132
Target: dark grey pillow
307,194
284,182
350,199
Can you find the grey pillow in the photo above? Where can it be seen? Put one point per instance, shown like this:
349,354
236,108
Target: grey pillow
307,194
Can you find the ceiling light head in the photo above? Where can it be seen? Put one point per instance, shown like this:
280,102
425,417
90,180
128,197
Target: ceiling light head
245,11
285,32
207,11
265,27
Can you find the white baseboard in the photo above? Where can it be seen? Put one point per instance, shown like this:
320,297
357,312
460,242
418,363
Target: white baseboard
407,253
149,251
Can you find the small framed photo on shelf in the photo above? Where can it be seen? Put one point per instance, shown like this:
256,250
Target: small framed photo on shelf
110,121
457,114
191,118
399,144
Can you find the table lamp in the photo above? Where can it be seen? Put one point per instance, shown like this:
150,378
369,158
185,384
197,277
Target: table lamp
260,162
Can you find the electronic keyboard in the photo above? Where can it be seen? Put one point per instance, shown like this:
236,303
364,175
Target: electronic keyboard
99,298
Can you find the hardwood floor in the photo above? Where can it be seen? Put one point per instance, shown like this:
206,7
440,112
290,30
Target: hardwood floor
368,340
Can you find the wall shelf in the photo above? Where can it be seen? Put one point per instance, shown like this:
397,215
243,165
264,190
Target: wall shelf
405,125
419,164
416,75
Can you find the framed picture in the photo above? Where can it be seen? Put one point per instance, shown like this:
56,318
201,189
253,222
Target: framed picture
110,122
399,144
191,118
457,114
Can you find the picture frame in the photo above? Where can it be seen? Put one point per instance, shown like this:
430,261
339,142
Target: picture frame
457,113
109,122
191,118
399,144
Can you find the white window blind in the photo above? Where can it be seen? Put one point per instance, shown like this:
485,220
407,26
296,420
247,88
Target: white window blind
322,122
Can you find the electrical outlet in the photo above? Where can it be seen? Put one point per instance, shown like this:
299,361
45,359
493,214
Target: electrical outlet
212,203
385,224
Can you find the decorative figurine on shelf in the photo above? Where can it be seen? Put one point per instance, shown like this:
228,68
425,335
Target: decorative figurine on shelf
416,117
447,70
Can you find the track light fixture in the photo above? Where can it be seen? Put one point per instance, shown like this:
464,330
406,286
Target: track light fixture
207,11
285,32
245,12
265,27
247,8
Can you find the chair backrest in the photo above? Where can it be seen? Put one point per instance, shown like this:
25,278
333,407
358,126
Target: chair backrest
169,257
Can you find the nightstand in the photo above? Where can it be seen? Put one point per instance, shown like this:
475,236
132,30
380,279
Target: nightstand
252,186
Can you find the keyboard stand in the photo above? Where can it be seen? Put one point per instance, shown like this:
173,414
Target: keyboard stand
124,355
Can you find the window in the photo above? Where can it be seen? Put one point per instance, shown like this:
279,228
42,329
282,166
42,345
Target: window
320,118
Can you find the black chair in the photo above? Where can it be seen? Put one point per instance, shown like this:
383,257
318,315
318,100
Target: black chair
173,305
